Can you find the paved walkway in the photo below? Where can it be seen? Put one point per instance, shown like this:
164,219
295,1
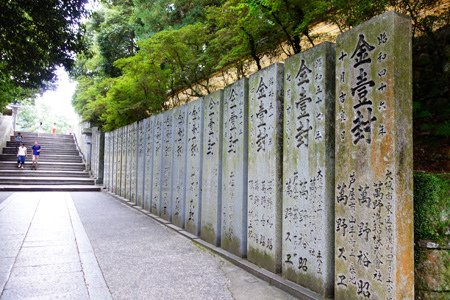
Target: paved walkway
89,245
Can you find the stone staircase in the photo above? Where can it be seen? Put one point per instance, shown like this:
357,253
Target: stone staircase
60,167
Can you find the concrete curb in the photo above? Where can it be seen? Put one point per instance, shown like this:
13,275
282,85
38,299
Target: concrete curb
273,279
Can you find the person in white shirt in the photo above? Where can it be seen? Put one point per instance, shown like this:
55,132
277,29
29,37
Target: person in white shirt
21,155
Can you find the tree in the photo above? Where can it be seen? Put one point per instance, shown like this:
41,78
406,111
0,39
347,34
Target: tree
36,37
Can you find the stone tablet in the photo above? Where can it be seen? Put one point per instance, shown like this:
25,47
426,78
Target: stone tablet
212,168
264,168
194,166
148,162
234,168
124,184
94,152
106,157
111,161
140,162
157,163
179,165
105,162
308,169
133,162
167,163
374,205
117,163
129,155
122,160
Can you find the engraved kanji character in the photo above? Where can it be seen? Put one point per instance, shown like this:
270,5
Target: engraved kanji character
361,51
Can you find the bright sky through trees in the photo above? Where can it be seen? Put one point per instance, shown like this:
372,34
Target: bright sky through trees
59,100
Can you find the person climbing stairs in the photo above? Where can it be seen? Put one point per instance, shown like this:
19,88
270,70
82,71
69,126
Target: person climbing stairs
60,167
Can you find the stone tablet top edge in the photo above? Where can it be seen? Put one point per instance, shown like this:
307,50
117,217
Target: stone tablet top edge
389,14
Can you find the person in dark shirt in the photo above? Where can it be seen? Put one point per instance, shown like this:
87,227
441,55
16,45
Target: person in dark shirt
36,151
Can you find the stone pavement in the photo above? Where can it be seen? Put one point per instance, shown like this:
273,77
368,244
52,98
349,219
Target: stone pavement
88,245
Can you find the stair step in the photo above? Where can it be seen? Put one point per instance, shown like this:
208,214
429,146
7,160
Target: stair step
60,166
45,158
11,150
11,165
46,146
43,173
51,188
48,135
46,181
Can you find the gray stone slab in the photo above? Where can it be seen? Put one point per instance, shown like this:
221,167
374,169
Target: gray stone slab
234,168
166,169
147,260
116,165
264,168
179,165
373,182
149,143
157,165
308,169
4,196
130,158
194,166
123,154
140,163
112,159
133,162
46,269
212,168
106,162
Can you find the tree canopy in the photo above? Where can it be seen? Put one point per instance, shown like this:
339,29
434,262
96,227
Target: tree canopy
143,53
35,38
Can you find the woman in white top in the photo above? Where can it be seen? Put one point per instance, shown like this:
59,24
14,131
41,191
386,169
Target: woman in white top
21,155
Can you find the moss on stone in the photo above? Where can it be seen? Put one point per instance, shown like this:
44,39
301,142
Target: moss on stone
308,280
264,260
432,207
232,244
427,295
432,270
208,234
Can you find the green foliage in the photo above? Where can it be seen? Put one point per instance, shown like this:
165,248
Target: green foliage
432,207
36,37
142,53
158,15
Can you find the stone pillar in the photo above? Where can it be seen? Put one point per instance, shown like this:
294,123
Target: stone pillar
101,157
140,164
133,161
264,167
157,164
149,133
118,160
374,205
194,166
94,152
167,163
124,148
111,161
234,168
114,168
308,169
212,168
129,162
106,156
179,165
